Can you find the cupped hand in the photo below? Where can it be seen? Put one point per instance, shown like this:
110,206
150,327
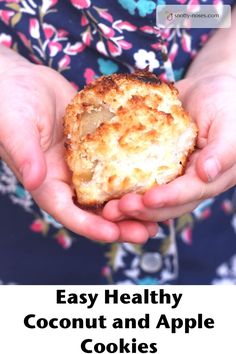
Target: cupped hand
33,100
210,101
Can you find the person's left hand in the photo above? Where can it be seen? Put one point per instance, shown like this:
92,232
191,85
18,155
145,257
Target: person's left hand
211,169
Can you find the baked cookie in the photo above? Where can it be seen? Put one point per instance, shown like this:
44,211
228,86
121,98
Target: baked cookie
125,133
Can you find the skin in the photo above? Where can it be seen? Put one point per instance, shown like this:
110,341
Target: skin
31,114
208,93
32,144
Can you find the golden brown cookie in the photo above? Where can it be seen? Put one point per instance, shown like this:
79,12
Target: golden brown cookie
125,133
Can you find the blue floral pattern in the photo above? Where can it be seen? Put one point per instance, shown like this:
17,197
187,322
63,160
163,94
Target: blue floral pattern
83,39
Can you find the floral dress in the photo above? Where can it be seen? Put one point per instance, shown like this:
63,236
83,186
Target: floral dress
83,39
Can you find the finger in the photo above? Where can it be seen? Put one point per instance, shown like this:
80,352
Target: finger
60,206
214,160
167,213
219,153
187,189
175,193
21,141
129,206
132,205
112,212
216,124
133,232
143,213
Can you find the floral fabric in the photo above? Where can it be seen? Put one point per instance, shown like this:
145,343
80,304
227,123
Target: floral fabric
83,39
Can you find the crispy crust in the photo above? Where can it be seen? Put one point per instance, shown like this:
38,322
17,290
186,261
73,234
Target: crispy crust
144,139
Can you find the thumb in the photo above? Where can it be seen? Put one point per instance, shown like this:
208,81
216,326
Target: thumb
20,141
219,154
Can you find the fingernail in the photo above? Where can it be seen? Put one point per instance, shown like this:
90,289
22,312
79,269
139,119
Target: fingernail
212,168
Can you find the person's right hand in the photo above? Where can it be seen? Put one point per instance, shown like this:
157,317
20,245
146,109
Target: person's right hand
33,100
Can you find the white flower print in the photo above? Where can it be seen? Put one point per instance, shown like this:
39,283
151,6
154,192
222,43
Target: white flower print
226,272
143,59
34,28
46,4
10,185
5,40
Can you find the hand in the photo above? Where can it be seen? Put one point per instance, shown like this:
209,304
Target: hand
33,100
211,170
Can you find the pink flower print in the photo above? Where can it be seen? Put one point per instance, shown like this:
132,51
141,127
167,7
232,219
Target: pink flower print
164,78
107,31
61,33
64,62
165,33
46,4
114,49
6,16
106,271
24,39
86,37
124,44
5,40
81,4
227,206
173,52
89,75
34,28
193,53
73,49
84,20
206,213
218,4
150,30
204,38
186,235
182,1
64,240
157,46
100,46
120,26
105,14
193,6
49,30
186,42
116,44
39,226
54,48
